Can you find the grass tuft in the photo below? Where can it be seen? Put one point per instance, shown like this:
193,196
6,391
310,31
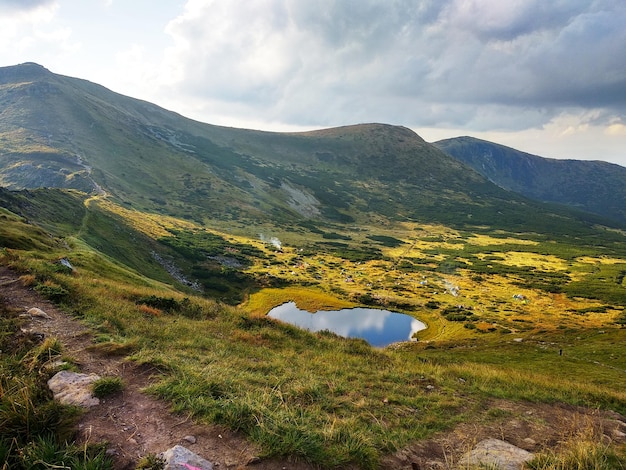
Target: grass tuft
49,350
579,455
107,386
151,462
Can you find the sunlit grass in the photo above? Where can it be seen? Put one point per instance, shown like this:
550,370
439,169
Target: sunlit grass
583,447
306,299
544,262
486,240
154,225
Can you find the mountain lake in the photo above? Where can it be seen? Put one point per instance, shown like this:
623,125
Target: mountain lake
378,327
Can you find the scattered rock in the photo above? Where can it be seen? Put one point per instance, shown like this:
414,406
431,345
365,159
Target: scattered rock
38,313
73,388
65,262
181,458
190,439
34,335
498,454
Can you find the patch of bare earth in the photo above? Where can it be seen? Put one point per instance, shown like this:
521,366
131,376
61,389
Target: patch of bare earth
135,424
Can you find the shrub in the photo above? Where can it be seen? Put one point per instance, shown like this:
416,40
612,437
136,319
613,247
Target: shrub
456,317
52,292
153,305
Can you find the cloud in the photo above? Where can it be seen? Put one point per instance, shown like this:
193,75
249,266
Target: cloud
479,64
23,5
38,36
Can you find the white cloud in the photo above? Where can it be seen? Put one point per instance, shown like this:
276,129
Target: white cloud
616,129
31,34
12,6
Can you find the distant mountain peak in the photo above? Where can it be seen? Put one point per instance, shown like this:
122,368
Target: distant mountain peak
594,186
388,131
25,71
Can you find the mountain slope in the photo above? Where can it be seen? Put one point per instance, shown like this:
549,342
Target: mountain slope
593,186
65,132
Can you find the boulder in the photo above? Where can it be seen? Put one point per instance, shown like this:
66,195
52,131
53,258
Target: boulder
497,454
181,458
73,388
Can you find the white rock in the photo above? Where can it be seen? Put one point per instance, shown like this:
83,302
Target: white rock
38,313
181,458
497,454
72,388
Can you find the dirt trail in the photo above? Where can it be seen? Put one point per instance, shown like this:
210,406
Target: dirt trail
135,424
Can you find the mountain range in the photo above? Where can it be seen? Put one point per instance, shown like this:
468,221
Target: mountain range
593,186
63,132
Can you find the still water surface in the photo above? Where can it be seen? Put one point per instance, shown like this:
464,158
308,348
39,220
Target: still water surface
378,327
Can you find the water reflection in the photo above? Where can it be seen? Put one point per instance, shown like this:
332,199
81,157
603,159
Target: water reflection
378,327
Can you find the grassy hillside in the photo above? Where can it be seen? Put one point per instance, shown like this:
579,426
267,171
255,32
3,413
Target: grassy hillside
65,132
318,397
593,186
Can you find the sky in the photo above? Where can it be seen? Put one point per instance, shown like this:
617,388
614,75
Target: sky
545,77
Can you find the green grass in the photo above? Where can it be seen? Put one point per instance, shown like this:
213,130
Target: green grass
35,431
105,386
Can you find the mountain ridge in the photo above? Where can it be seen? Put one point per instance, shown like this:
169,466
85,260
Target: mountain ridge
67,132
594,186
